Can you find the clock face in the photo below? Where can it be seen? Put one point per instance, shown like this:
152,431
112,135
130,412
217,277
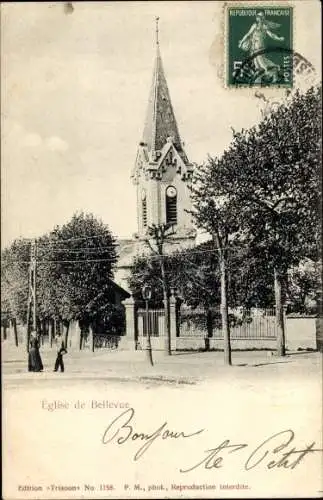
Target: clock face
171,192
143,194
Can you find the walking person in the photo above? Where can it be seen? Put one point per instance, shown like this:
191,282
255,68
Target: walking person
61,350
35,363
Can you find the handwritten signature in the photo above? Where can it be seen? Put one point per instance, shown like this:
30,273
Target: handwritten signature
277,451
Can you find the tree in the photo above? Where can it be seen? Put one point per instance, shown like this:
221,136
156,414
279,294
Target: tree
146,271
214,212
271,174
304,286
157,236
187,272
250,279
195,274
14,279
14,284
75,265
263,194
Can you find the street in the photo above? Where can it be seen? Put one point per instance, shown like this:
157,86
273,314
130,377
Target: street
190,368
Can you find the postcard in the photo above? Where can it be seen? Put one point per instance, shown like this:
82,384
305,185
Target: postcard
161,301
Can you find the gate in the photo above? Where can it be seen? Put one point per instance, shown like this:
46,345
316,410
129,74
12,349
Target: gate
154,324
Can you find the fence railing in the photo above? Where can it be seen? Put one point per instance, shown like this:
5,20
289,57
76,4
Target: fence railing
106,341
244,324
156,322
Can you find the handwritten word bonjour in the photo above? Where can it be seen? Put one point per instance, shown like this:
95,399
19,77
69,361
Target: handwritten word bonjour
121,430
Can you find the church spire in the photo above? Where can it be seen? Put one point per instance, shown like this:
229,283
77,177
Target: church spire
160,124
162,170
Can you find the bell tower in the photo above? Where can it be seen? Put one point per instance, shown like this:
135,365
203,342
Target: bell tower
162,172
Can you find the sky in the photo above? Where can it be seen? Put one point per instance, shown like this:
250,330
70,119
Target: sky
74,93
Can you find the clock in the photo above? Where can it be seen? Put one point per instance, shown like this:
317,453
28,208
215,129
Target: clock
143,194
171,192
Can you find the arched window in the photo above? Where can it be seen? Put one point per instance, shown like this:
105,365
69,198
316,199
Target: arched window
144,208
171,205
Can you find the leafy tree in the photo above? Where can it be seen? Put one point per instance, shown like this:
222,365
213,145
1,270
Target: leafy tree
14,279
214,212
270,175
195,274
304,286
250,279
188,272
146,271
75,265
263,194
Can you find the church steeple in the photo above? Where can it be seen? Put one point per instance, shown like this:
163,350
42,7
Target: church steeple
162,171
160,123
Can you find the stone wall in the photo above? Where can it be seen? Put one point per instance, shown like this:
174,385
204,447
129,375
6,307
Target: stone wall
197,343
301,333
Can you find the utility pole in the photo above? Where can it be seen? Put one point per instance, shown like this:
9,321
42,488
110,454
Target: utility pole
146,293
32,308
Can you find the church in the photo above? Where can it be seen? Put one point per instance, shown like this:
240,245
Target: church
161,177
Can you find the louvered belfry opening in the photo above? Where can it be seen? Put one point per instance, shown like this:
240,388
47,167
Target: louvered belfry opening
144,212
171,209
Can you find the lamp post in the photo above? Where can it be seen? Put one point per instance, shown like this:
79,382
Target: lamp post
146,294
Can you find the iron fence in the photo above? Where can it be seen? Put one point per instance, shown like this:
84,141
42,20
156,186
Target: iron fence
156,320
106,341
244,324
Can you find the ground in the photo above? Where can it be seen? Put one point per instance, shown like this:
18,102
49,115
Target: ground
133,367
52,441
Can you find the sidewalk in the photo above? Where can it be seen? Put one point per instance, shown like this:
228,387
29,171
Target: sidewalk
180,368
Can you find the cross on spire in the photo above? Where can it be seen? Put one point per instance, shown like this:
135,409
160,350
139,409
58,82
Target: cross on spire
157,30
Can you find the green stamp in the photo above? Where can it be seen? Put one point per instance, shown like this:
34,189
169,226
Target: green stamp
259,46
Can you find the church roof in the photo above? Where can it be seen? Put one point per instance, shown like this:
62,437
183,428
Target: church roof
116,287
126,250
160,121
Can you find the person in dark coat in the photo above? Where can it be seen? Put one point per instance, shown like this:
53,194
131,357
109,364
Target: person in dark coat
34,359
61,350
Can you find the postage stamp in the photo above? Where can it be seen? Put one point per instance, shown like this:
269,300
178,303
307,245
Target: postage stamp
259,46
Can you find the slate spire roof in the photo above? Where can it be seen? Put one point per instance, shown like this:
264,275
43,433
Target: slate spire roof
160,121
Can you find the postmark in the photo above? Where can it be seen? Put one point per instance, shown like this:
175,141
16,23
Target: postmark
295,66
259,46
